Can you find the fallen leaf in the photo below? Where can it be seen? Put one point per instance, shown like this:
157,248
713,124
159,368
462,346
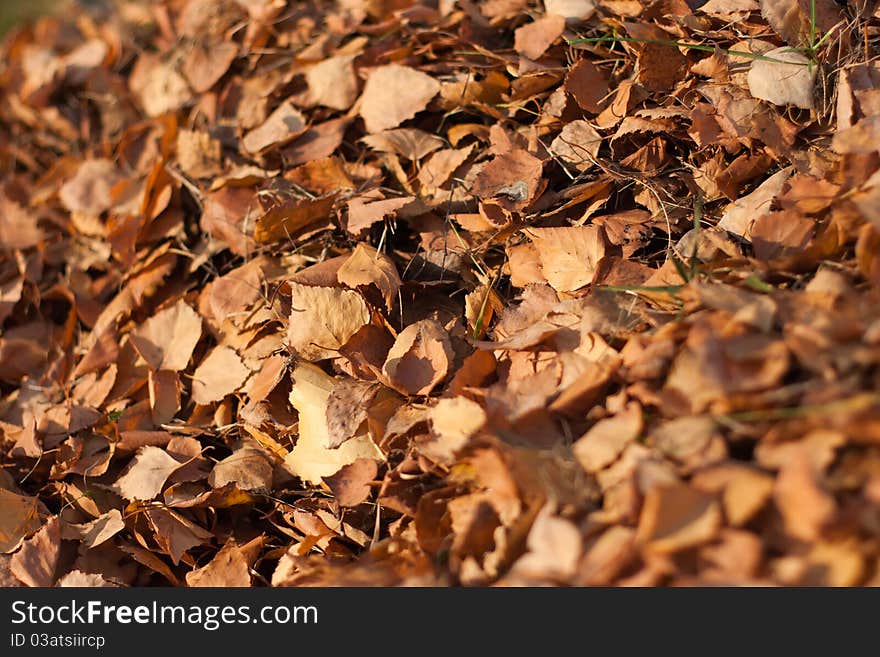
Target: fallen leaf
19,517
574,11
88,192
146,475
569,256
741,214
323,319
99,530
230,567
789,83
285,124
221,373
332,83
419,358
578,144
411,143
78,579
533,39
588,86
176,534
393,94
207,62
167,339
248,468
606,440
37,560
676,517
366,266
312,459
348,408
351,484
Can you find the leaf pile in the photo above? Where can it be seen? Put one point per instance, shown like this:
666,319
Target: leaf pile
459,292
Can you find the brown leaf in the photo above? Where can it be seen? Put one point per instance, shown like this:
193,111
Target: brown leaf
221,373
366,266
37,560
419,359
19,516
362,215
167,339
199,154
347,409
440,167
533,39
393,94
587,85
739,215
554,549
176,534
574,11
88,192
164,389
312,459
286,220
230,567
146,475
351,484
513,176
227,214
332,83
79,579
805,506
320,140
569,256
676,517
411,143
97,531
207,62
323,319
604,442
248,468
578,144
790,83
285,124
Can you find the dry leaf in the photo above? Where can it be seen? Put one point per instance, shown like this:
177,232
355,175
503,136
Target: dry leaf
366,266
285,124
351,484
37,560
322,319
569,256
146,475
167,339
230,567
248,468
578,144
393,94
419,359
533,39
312,458
604,442
574,11
97,531
789,83
19,516
676,517
332,83
739,215
347,409
220,374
